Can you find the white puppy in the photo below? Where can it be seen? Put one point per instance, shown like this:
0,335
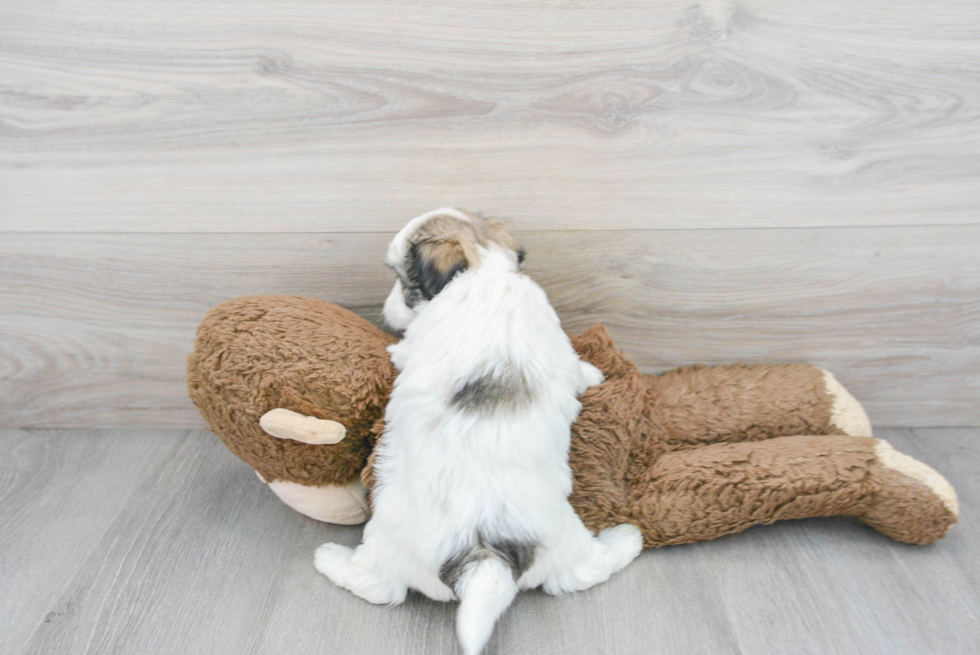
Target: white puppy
472,475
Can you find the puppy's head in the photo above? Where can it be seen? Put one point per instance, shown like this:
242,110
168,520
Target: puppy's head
432,249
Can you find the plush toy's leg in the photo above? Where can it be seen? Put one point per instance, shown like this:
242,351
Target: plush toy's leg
908,488
344,505
707,492
703,405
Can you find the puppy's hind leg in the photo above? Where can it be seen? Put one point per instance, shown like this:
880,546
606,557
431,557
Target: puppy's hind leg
576,560
358,571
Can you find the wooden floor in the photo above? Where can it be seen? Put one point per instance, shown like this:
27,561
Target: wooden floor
160,541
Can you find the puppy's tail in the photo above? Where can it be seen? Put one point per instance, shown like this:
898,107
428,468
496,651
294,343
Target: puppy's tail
485,588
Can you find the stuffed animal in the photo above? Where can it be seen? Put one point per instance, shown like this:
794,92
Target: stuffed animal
297,387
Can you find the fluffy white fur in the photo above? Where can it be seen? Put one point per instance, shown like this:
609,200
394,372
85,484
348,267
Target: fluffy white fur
448,476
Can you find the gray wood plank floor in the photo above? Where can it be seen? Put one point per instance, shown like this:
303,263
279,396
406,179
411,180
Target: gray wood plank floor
162,542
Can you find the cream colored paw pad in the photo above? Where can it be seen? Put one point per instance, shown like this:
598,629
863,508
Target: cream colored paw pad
913,468
846,412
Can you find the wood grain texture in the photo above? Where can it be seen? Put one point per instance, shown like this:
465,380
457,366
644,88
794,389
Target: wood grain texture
178,524
720,155
312,116
193,555
95,328
60,494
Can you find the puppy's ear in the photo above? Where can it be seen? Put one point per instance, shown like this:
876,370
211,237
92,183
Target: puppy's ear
435,264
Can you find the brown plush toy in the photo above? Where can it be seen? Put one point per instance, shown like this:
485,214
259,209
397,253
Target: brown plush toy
690,455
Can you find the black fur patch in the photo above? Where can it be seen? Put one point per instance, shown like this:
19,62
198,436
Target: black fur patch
412,296
515,555
491,392
429,279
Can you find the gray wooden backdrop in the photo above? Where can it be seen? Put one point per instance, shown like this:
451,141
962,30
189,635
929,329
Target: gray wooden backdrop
716,181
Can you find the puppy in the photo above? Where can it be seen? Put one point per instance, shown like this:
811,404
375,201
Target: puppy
472,475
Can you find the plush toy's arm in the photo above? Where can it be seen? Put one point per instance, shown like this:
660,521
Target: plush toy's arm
286,424
595,346
702,405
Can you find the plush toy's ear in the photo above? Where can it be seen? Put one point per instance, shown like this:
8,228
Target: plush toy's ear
435,264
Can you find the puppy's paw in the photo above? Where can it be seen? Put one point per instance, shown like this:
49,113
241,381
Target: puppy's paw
591,375
399,354
333,560
625,539
349,570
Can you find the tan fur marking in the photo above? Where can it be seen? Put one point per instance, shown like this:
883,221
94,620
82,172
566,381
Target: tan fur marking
443,254
496,232
446,240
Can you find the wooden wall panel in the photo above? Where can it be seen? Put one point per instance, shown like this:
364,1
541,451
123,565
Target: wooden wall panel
716,181
95,328
316,116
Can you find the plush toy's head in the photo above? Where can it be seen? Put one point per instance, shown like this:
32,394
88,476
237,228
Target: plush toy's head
322,361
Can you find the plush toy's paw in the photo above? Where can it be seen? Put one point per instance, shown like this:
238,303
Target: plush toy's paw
626,539
915,504
344,505
846,413
286,424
